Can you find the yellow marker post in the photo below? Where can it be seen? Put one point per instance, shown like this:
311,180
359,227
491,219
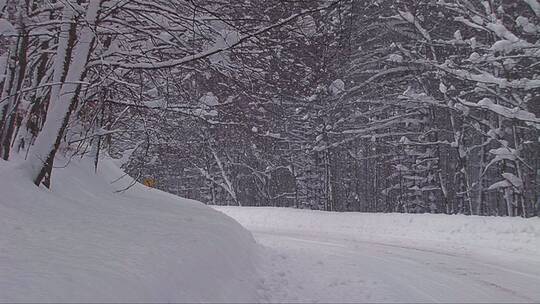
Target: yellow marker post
150,182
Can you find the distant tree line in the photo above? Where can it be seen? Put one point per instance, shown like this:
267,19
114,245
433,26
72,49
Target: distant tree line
376,106
346,105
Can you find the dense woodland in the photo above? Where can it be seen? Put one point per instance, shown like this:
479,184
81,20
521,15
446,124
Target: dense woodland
340,105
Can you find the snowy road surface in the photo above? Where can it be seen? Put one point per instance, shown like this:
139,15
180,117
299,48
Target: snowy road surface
300,266
313,269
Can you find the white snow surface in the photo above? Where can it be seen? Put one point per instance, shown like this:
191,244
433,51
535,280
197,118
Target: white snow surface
514,235
85,242
314,256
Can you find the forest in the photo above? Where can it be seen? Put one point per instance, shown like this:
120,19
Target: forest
411,106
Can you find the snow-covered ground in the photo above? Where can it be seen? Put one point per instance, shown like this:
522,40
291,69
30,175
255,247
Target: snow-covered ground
316,256
83,242
86,242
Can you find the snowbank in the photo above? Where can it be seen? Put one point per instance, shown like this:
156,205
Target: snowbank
479,234
83,242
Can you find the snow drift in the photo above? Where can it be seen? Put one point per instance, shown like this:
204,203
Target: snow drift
85,242
488,235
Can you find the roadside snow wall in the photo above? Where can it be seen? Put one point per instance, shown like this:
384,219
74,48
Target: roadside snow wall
84,242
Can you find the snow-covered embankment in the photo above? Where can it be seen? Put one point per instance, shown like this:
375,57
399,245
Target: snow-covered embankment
85,242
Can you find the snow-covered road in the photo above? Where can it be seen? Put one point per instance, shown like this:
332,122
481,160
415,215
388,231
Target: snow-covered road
300,266
314,269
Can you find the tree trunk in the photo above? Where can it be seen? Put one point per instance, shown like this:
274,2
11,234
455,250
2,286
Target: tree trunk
10,110
63,102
